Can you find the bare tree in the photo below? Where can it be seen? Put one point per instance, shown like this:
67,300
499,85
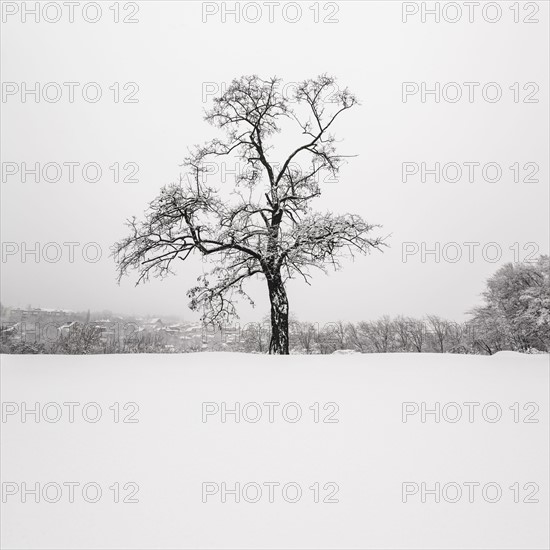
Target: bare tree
402,331
80,339
439,329
266,226
143,342
417,333
255,337
379,334
488,332
336,333
357,339
384,334
325,340
458,337
305,335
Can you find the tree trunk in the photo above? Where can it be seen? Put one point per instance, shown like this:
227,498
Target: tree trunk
279,315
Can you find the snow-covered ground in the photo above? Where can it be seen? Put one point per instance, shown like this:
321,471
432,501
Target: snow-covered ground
365,457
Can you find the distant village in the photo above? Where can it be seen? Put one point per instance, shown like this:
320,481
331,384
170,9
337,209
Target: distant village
46,330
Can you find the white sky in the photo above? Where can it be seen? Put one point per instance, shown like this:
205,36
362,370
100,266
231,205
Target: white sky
170,53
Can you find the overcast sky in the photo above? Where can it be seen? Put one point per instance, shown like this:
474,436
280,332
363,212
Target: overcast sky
171,53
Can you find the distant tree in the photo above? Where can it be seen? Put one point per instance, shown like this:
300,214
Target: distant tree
357,338
402,333
80,339
143,342
516,313
255,337
439,331
335,334
458,338
489,332
11,342
304,336
417,333
326,340
266,227
379,334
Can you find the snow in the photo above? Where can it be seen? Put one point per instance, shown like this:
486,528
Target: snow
369,453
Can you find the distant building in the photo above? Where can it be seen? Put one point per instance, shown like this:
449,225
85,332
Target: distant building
66,328
37,313
154,324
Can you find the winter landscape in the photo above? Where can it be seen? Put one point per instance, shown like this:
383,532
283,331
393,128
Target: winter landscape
275,275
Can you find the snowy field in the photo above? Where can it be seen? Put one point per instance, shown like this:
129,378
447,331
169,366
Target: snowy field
180,461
